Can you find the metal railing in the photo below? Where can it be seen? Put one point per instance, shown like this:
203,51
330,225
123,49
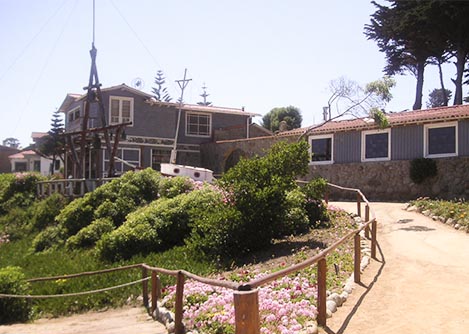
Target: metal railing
69,187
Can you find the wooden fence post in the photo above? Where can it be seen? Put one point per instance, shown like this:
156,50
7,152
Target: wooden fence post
357,258
178,308
367,218
145,287
246,305
154,291
322,287
374,227
359,205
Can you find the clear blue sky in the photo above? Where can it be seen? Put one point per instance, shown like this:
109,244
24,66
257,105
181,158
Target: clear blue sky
256,54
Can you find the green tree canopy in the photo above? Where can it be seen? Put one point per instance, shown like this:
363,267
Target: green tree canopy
291,116
53,144
160,91
438,98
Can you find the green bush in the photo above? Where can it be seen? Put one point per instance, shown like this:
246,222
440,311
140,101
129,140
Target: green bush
128,240
15,222
89,235
12,281
115,199
258,188
17,190
296,218
315,207
45,211
422,169
172,186
52,236
167,220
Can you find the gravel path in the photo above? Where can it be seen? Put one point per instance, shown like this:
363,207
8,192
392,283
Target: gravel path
420,286
130,320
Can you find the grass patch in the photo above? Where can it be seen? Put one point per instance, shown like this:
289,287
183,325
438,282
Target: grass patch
458,210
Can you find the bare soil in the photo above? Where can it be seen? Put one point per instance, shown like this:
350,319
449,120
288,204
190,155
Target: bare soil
419,283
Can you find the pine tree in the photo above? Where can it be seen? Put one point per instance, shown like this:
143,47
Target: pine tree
53,144
160,92
204,95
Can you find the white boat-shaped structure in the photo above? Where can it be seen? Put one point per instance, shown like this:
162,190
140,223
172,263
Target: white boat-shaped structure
195,173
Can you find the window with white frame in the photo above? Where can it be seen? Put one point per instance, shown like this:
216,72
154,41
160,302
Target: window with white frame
376,145
441,140
159,156
127,159
198,124
74,114
321,149
121,109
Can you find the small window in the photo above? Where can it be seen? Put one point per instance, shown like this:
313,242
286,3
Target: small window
121,109
37,166
321,149
159,156
198,124
441,140
376,145
74,114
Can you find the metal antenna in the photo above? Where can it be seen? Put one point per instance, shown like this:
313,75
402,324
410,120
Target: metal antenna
182,84
94,21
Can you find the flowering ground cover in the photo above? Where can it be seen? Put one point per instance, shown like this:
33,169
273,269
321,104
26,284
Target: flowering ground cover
285,305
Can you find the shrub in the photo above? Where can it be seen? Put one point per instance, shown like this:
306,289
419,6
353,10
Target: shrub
259,186
167,221
296,218
76,215
50,237
15,222
89,235
315,208
115,210
12,281
128,240
172,186
17,190
45,211
422,169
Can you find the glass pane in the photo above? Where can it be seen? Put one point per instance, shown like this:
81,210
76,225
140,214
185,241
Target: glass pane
322,149
442,140
131,155
376,146
114,106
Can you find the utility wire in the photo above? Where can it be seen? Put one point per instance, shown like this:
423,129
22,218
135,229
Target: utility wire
31,41
44,66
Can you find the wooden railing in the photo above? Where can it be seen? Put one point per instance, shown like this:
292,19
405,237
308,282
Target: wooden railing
245,295
69,187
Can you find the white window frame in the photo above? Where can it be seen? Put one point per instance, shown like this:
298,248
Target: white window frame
325,162
426,127
121,99
121,151
198,135
373,132
72,114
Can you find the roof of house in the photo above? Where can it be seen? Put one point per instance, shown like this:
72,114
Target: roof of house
434,115
71,98
22,154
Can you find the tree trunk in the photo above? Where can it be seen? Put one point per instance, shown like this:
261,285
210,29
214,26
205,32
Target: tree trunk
443,89
460,62
419,88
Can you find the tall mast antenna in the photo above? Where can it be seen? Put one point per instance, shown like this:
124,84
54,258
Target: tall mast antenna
182,84
94,21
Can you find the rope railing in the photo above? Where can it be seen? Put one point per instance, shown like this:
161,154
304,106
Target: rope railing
245,295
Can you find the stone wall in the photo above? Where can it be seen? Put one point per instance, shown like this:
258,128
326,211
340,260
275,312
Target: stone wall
390,180
379,181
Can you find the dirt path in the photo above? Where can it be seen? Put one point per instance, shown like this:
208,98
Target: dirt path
119,321
421,284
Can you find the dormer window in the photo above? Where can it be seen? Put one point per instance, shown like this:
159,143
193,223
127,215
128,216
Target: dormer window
74,114
121,109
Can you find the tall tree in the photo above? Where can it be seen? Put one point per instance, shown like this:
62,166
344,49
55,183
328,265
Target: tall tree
290,116
160,91
53,144
406,34
11,142
438,98
455,25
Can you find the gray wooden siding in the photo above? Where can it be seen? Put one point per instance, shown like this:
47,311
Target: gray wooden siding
347,147
407,142
463,137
